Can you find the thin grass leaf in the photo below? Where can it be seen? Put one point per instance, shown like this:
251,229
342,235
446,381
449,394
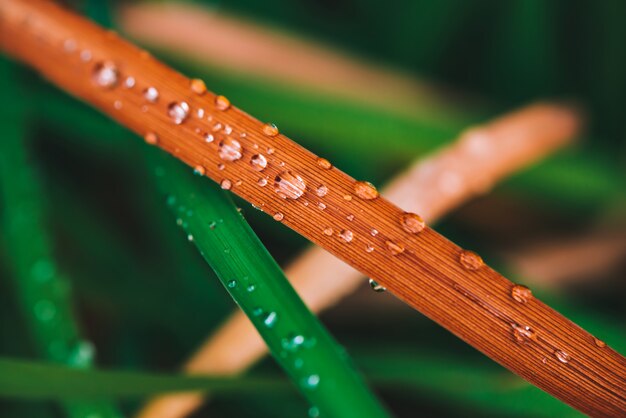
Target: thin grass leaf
295,337
44,292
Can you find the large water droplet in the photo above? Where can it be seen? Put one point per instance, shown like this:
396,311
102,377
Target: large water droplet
222,103
230,149
599,343
394,247
198,86
562,356
521,294
324,163
376,287
151,94
105,74
289,185
178,112
322,191
258,162
346,235
470,260
365,190
269,129
151,138
412,223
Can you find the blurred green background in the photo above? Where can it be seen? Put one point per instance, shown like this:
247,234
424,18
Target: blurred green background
79,195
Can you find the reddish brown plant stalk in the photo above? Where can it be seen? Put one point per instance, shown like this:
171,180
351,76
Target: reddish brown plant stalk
448,284
430,187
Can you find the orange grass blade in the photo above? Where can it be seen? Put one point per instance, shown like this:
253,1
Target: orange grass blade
449,285
494,150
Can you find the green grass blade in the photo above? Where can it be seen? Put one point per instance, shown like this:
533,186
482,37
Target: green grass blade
32,380
295,337
43,291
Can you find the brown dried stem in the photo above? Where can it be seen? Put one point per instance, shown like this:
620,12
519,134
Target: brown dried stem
446,283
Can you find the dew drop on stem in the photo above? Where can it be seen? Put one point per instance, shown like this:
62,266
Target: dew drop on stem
178,112
105,74
412,223
230,149
394,248
151,94
226,184
376,287
258,162
269,129
222,103
199,170
289,185
346,235
562,356
278,216
365,190
521,294
198,86
322,191
328,231
469,260
151,138
324,163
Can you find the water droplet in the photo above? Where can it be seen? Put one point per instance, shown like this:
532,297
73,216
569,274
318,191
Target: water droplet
322,191
81,354
270,150
350,217
85,55
346,235
523,335
230,149
394,248
289,185
270,129
232,284
365,190
312,381
278,216
369,248
270,319
599,343
470,260
412,223
347,197
69,45
377,287
208,138
374,232
262,182
228,129
258,162
117,104
105,74
314,412
190,238
226,184
324,163
200,113
321,206
198,86
151,138
328,231
222,103
562,356
178,112
251,288
521,294
199,170
151,94
239,182
221,166
129,83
